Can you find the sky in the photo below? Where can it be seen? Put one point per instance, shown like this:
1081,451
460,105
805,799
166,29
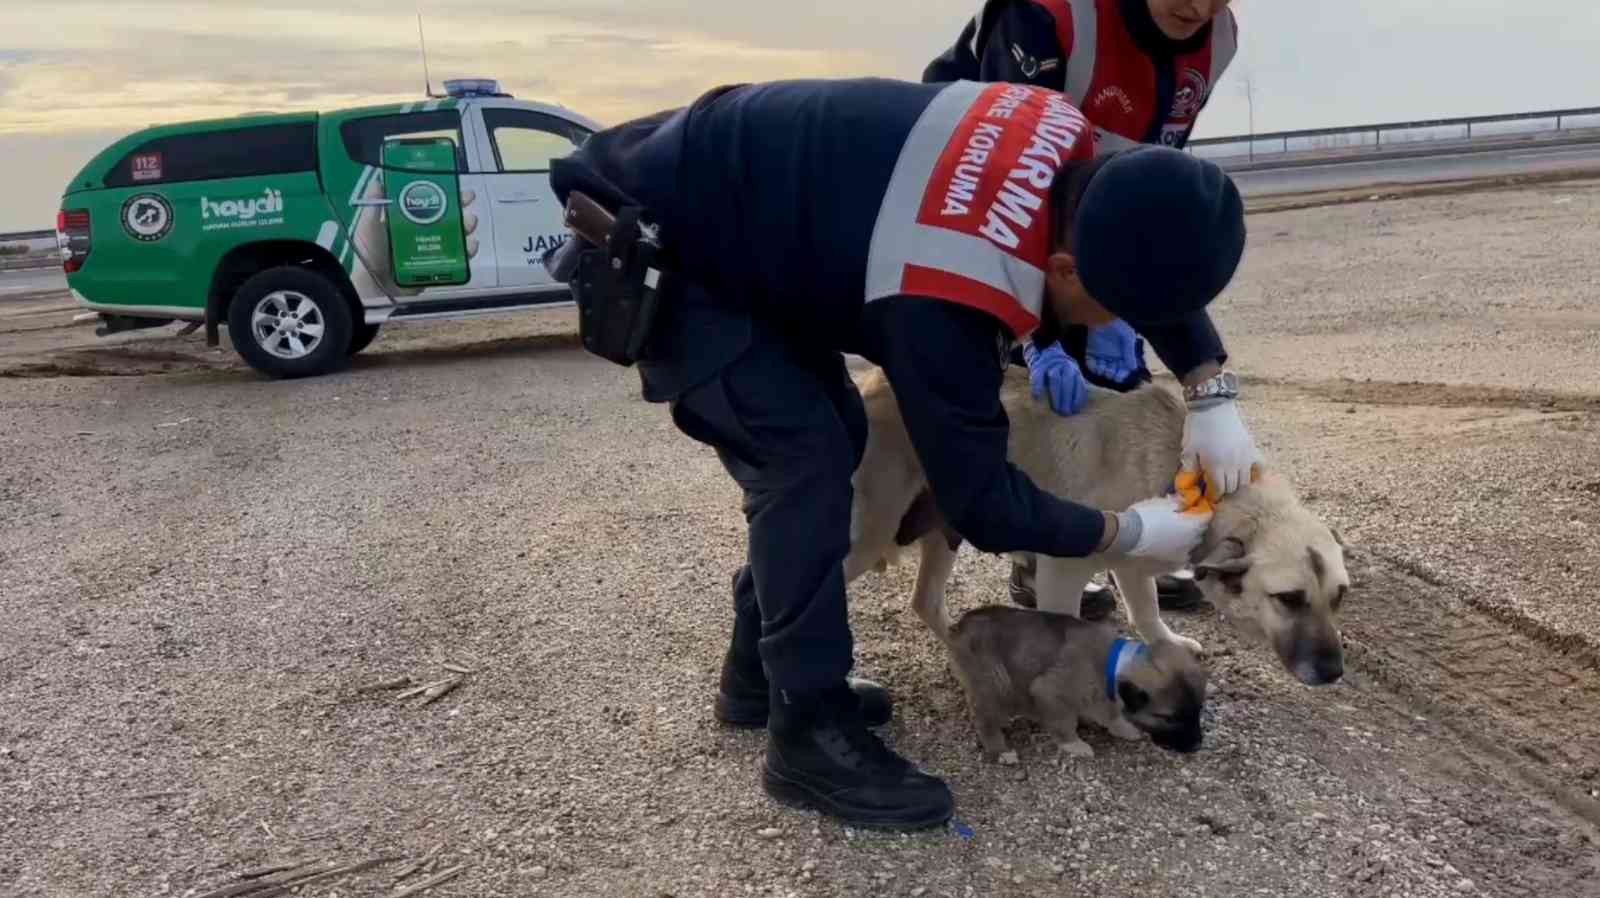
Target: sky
76,74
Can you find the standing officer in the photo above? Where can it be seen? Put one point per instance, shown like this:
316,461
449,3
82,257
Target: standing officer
1141,71
925,228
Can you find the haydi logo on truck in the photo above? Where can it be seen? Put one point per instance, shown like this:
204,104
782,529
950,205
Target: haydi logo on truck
423,202
245,213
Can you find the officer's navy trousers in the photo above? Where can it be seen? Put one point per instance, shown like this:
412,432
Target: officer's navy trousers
789,426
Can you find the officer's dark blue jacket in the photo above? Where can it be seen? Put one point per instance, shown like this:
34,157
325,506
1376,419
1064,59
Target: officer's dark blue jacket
767,196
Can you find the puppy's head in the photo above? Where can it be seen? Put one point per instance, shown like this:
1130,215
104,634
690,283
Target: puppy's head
1278,574
1162,690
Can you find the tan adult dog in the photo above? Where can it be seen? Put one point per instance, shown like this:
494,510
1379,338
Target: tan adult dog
1275,571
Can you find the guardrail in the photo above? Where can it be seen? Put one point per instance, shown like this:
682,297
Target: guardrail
19,236
1279,141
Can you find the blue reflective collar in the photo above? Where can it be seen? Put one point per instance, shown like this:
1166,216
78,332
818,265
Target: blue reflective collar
1123,652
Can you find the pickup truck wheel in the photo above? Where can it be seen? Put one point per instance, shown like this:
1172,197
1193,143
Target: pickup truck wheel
364,335
290,322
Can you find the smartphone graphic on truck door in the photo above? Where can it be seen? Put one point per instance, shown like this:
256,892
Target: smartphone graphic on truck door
427,238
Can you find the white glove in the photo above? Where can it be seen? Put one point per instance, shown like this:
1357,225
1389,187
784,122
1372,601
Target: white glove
1160,530
1216,442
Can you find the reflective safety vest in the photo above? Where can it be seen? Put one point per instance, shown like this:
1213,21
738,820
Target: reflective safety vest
1099,63
967,216
1110,77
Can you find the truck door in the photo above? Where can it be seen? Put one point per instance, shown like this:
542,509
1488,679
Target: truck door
401,154
527,218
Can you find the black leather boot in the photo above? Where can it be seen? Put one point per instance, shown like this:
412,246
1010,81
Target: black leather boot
822,756
1178,592
742,691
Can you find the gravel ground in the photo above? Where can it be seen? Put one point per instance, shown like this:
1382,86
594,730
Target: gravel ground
200,570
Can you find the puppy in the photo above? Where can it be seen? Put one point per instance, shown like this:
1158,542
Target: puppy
1055,669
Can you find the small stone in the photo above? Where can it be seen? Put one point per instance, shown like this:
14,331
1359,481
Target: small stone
919,891
1010,759
808,866
1465,885
537,872
770,833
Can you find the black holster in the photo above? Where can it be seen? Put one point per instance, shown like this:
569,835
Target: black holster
618,290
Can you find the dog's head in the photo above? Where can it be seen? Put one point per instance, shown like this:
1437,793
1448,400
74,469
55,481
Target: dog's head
1163,691
1278,574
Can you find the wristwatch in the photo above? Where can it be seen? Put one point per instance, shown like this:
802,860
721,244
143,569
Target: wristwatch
1217,386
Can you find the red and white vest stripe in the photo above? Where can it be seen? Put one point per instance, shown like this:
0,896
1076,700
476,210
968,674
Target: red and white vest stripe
967,216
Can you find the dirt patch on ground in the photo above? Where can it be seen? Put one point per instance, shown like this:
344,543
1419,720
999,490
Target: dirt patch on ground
119,361
1386,192
1513,695
1367,392
39,340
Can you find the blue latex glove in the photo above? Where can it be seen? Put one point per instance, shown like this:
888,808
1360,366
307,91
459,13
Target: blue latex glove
1113,352
1053,372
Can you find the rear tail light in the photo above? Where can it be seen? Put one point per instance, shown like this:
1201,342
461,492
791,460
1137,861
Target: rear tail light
72,235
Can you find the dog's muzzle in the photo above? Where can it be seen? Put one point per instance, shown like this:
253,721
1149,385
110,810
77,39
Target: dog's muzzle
1183,740
1322,669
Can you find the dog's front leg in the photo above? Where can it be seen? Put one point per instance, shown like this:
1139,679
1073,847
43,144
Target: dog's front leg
1060,581
1138,590
933,575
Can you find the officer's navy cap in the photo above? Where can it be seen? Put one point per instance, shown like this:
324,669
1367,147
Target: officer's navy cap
1158,234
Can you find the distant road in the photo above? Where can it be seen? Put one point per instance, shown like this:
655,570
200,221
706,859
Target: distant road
1345,174
36,280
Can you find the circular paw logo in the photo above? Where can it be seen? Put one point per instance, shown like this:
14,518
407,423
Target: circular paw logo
1191,93
147,217
423,202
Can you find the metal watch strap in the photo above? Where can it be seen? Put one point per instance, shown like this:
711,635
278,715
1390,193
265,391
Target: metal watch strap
1224,385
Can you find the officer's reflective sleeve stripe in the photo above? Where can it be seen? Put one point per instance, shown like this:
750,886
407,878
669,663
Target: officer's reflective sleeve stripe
979,31
1079,46
1224,43
966,215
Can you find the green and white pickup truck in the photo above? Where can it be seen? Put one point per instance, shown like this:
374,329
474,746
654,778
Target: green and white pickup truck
305,233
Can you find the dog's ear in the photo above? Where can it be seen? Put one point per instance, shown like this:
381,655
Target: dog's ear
1133,698
1228,563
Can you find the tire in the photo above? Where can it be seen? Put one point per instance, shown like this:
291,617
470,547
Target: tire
364,335
271,321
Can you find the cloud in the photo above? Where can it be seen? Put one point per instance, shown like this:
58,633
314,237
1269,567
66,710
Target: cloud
205,64
121,68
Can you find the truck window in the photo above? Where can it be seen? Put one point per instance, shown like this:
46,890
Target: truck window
526,141
212,155
364,137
